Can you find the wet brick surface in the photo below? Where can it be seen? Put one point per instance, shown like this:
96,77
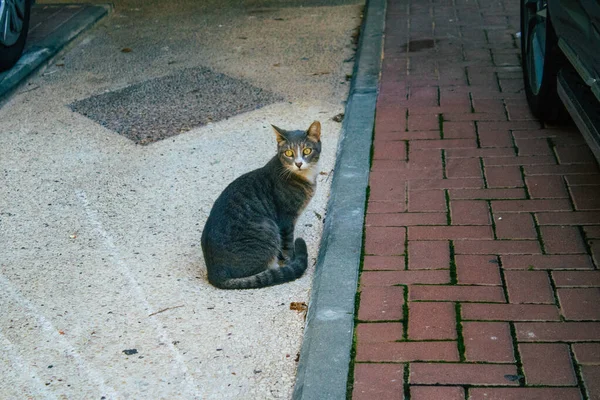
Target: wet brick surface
494,214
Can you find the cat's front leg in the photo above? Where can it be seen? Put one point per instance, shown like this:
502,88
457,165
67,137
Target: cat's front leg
286,231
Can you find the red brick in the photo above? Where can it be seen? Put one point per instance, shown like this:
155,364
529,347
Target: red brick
479,232
424,159
591,380
580,304
428,255
383,187
423,122
488,342
528,287
381,303
463,117
547,364
384,241
459,130
564,169
387,278
496,138
496,247
390,118
477,270
431,321
474,212
510,312
491,106
389,150
425,93
524,393
406,170
503,177
558,331
539,261
530,147
562,240
462,374
546,187
512,125
514,226
435,110
576,278
583,180
384,263
587,353
485,152
487,194
531,205
426,200
463,183
575,155
406,219
386,207
463,168
521,160
379,332
437,392
539,133
443,144
402,135
489,294
390,165
482,77
407,351
592,232
586,197
378,381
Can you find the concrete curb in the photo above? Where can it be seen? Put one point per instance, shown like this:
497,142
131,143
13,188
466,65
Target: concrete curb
325,354
37,56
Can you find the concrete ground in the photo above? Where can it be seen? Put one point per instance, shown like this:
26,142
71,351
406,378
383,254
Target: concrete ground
102,282
480,277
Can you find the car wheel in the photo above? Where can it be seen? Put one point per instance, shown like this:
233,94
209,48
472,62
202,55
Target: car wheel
14,24
541,61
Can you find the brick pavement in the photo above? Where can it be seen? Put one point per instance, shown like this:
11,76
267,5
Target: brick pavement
480,277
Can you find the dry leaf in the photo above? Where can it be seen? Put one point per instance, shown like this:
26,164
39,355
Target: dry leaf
298,306
338,118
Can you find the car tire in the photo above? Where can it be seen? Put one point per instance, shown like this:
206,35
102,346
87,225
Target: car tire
541,59
10,53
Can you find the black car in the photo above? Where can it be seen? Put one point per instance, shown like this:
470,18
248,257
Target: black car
560,45
14,24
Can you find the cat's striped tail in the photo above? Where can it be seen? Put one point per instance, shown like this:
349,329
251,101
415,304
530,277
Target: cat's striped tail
293,270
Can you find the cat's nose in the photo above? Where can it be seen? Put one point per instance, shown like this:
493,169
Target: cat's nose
299,164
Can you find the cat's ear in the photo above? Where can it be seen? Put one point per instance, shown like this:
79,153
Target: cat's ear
314,131
279,134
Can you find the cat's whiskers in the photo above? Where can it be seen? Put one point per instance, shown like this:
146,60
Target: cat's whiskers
285,173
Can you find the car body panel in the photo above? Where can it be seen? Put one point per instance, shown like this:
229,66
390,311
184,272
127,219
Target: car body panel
577,23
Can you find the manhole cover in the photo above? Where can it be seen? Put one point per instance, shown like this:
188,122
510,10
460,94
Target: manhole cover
163,107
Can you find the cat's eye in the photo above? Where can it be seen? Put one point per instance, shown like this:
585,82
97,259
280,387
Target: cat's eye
289,153
307,151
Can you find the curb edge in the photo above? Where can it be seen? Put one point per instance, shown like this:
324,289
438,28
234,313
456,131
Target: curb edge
325,354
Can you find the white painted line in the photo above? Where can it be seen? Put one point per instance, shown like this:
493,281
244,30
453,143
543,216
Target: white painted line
112,249
60,342
34,385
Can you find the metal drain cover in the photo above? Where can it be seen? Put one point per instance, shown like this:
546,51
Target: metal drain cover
163,107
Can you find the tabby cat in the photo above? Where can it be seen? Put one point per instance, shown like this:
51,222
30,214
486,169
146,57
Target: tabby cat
248,240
